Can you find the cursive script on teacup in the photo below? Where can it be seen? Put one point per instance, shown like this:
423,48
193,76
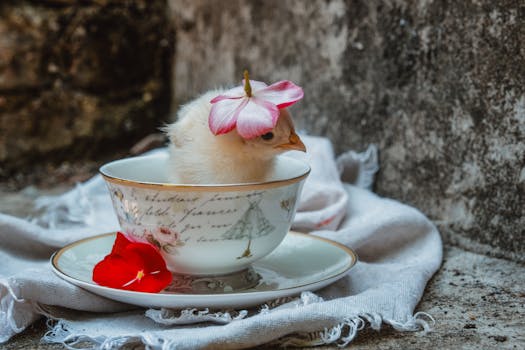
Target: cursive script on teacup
184,223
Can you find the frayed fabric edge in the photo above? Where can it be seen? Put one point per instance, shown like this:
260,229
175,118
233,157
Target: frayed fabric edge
421,321
340,335
343,333
60,335
8,302
169,317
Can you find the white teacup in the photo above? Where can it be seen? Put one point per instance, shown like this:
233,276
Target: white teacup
204,229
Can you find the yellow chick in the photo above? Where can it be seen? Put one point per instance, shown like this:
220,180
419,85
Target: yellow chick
197,156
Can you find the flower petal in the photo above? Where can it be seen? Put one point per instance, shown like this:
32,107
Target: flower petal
235,93
224,114
114,272
238,91
153,282
283,93
257,118
132,266
151,260
121,242
256,85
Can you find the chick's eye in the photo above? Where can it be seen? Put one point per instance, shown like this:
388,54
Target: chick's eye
268,136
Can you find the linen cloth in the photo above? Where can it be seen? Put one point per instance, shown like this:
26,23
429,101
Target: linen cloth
399,250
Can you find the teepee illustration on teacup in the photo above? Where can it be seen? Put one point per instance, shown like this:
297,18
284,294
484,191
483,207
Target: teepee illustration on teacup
251,224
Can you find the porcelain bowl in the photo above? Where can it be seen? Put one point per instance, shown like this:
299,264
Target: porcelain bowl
206,229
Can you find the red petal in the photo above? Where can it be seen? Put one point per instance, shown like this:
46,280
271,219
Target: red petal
152,283
121,242
114,271
151,260
120,269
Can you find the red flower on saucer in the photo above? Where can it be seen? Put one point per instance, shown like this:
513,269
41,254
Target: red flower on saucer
132,266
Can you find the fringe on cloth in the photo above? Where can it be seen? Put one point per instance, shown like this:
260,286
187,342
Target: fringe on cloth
60,335
343,333
170,317
340,335
10,325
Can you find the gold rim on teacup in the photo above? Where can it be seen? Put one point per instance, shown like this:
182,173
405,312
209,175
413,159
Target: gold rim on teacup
201,187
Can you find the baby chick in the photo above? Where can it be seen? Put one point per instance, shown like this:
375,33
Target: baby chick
197,156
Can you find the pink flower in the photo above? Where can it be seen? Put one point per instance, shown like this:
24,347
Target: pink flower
165,235
253,108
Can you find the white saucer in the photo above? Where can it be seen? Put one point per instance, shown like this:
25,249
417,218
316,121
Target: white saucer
300,263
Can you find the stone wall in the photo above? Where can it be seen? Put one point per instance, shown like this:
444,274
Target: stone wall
80,78
439,86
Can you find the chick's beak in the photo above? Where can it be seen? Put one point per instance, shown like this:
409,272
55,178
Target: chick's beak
295,143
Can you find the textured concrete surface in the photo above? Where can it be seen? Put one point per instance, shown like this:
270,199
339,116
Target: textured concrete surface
439,86
79,78
477,301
